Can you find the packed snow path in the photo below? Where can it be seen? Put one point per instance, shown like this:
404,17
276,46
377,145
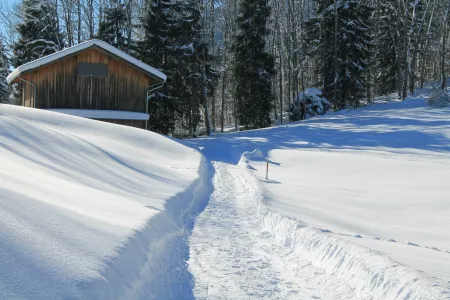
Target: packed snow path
231,257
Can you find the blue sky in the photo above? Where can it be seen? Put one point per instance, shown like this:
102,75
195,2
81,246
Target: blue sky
9,2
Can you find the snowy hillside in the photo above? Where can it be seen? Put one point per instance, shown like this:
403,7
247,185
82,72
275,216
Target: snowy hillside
361,195
380,173
92,210
356,206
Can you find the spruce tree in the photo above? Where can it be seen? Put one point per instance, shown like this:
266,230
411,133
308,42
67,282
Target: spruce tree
4,70
341,29
253,66
158,25
354,43
186,51
386,61
196,78
173,43
39,34
112,28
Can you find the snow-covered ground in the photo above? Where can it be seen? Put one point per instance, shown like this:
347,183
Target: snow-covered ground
362,194
233,257
91,210
356,206
378,176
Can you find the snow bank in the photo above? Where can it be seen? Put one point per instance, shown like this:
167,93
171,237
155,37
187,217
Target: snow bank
373,275
91,210
102,114
255,155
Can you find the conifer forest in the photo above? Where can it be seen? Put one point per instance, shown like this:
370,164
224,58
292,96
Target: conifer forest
243,64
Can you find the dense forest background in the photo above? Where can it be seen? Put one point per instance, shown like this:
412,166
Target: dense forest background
244,62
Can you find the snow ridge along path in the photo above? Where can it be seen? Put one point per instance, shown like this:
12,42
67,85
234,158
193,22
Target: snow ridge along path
232,256
344,188
239,249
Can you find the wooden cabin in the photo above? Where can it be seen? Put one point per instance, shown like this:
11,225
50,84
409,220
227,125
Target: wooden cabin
93,80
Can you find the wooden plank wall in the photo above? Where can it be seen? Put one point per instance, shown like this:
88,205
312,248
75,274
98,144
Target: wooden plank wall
59,86
133,123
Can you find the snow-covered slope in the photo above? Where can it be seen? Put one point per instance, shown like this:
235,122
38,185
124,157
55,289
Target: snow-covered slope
356,206
377,176
362,194
93,210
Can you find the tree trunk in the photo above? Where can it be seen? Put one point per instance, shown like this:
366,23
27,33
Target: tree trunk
222,116
129,24
444,37
405,54
443,81
335,92
205,95
79,22
293,24
412,79
213,99
369,86
281,90
91,19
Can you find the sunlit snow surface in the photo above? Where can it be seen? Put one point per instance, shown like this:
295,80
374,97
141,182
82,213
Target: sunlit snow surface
77,200
376,177
356,205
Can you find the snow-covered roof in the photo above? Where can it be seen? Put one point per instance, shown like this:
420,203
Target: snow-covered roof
103,114
82,46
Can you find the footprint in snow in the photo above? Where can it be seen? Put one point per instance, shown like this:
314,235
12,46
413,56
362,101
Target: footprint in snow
412,244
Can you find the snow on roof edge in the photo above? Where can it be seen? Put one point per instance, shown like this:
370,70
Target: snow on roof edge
82,46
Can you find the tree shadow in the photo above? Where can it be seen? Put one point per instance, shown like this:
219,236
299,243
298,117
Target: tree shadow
396,128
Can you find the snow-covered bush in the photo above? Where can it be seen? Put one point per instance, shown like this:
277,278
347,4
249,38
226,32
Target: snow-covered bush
312,104
439,98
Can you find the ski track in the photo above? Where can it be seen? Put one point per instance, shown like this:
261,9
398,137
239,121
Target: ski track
231,257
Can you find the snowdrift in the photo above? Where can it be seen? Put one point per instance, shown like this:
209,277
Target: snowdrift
91,210
364,193
372,275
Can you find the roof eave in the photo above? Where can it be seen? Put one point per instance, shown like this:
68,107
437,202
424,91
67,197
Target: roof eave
13,76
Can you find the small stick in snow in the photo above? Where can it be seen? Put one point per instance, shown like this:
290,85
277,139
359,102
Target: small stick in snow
267,168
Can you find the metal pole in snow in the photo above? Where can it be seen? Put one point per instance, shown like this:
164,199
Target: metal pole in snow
267,168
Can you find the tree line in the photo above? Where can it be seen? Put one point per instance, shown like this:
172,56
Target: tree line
243,62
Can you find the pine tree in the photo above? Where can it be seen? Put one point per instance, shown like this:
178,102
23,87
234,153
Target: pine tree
341,46
253,66
186,52
158,25
196,74
39,34
173,43
112,28
354,42
4,70
386,61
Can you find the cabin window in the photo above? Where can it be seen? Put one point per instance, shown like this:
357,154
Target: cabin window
88,69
